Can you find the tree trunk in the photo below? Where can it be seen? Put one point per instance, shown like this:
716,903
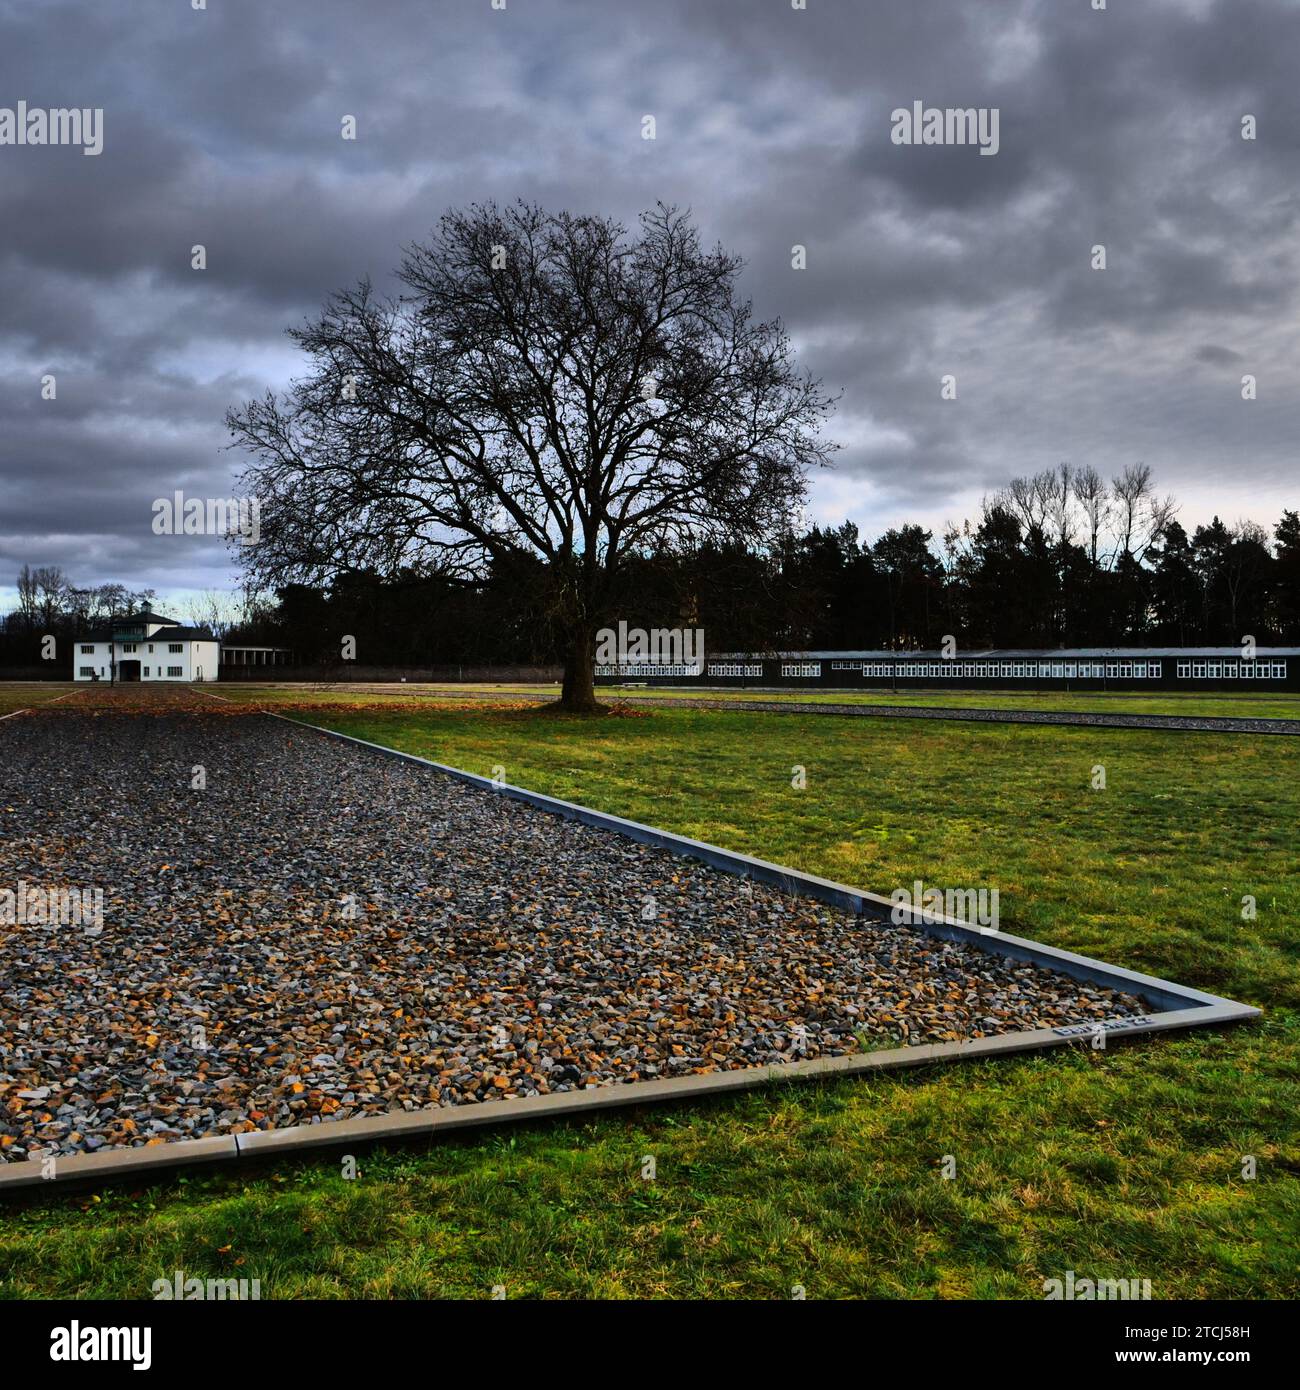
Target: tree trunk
578,693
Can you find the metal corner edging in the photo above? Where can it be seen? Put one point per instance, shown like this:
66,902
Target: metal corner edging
1179,1007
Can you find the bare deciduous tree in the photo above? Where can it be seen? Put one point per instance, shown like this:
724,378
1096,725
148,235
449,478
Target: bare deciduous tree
1036,501
214,609
1058,492
1093,496
28,602
1141,515
50,588
546,387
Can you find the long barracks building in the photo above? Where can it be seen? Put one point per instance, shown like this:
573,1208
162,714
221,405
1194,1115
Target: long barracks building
1082,668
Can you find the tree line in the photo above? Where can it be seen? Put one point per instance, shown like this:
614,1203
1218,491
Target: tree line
1036,570
52,604
1006,581
1022,576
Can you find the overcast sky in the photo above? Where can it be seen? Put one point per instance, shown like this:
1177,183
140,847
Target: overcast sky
222,127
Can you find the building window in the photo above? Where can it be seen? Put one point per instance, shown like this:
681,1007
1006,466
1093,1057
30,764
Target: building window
1126,670
175,647
87,670
87,649
150,648
735,669
128,647
1155,669
146,670
1198,670
648,669
1184,670
173,670
1214,669
1058,670
804,670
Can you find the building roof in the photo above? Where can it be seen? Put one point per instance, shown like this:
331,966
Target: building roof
171,632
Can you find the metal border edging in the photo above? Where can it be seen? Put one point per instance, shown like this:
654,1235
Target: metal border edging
797,883
1180,1007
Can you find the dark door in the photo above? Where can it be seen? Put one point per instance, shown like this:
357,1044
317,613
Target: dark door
128,670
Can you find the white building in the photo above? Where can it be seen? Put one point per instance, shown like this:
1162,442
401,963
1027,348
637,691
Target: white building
146,647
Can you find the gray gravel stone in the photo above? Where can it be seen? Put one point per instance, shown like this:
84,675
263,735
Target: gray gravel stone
324,932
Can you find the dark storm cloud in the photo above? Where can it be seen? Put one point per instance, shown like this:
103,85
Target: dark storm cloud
222,128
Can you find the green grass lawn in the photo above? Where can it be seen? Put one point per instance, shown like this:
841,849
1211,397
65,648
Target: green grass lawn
1123,1163
1233,706
16,695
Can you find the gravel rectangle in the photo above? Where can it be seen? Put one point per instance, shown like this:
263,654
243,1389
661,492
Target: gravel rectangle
319,933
